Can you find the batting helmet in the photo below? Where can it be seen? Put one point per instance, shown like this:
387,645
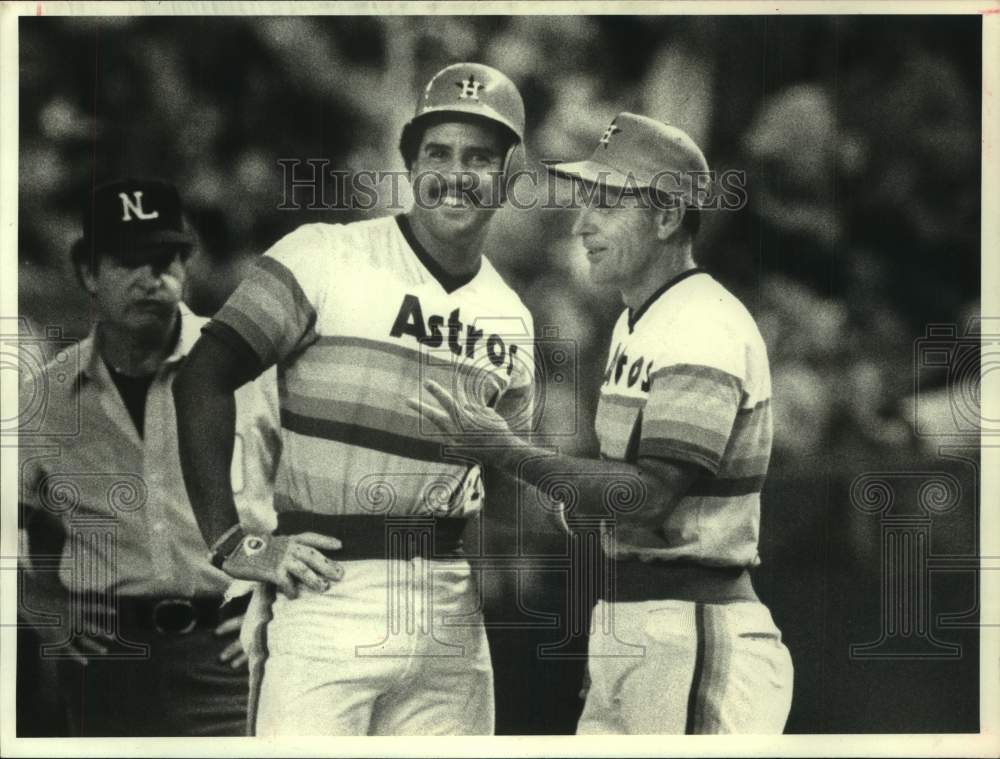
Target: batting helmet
467,89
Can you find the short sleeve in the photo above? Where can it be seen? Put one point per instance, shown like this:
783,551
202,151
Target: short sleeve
274,308
694,396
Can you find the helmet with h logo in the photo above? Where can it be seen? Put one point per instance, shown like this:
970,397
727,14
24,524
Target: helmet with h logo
467,90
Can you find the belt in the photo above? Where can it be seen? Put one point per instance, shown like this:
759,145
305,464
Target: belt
634,580
170,615
369,536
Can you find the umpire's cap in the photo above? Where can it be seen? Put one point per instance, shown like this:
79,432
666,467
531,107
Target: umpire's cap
125,216
637,151
466,89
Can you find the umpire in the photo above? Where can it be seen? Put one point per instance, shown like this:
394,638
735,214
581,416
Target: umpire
130,607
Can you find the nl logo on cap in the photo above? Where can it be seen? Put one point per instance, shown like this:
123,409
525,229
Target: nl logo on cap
132,207
130,213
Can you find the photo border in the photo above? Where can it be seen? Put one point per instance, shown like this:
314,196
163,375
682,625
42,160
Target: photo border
986,743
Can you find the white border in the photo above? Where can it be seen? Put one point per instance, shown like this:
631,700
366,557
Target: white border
503,7
987,744
989,642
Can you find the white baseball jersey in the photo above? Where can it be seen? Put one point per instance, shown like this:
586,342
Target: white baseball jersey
688,380
355,317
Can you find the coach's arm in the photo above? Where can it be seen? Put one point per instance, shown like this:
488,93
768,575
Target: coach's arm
205,402
643,494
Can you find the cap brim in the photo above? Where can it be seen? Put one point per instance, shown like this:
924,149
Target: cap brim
592,172
596,173
153,238
166,237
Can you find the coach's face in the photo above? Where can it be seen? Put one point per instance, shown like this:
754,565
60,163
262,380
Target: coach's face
455,178
620,238
140,290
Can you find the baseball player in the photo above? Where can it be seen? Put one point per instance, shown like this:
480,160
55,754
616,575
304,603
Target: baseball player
133,615
376,627
684,423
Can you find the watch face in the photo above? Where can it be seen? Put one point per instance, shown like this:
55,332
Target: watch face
254,544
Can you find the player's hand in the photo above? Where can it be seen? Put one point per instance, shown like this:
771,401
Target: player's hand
233,653
288,561
463,422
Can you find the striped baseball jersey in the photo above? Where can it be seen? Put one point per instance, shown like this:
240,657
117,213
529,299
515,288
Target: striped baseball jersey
688,380
355,316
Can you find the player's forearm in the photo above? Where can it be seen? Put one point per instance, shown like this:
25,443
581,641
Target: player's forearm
206,427
597,487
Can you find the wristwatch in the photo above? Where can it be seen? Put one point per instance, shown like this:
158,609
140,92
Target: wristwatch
228,542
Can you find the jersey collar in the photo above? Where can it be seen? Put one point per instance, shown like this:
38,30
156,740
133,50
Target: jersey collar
636,314
449,282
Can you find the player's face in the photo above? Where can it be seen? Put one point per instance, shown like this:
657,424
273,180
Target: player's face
140,291
455,178
620,241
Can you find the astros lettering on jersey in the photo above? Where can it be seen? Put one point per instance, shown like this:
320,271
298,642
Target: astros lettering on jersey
356,316
701,396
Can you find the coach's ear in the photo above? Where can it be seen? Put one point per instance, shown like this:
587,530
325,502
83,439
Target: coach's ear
84,261
668,219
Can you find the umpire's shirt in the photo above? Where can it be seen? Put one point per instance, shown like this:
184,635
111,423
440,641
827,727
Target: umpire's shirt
120,496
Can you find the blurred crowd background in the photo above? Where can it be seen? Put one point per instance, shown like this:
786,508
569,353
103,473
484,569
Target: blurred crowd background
860,139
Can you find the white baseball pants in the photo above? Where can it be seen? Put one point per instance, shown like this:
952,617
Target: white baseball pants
397,647
676,667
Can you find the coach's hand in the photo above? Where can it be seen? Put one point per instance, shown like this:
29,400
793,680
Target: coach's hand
288,561
463,422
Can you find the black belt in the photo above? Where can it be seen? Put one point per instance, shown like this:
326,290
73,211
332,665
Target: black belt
369,536
172,615
634,580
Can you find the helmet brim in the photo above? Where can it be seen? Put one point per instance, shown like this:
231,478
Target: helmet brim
484,112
